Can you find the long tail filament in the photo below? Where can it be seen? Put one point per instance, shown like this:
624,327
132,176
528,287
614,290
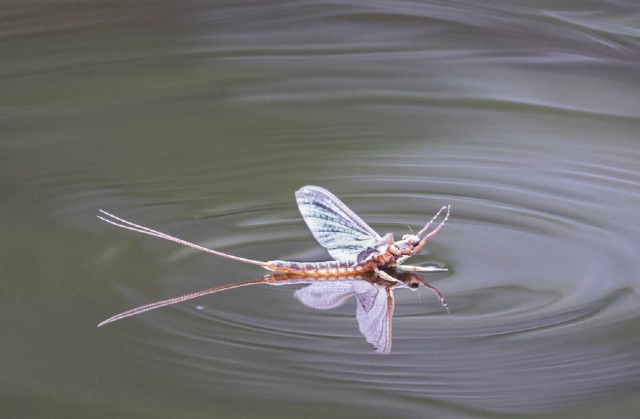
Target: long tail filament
119,222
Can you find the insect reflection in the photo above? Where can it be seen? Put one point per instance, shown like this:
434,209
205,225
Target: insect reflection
363,261
374,301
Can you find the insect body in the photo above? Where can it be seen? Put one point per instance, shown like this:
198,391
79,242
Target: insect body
355,247
349,239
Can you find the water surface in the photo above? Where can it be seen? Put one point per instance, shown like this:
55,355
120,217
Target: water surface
202,118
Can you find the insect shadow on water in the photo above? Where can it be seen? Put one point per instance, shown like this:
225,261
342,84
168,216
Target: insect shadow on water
365,264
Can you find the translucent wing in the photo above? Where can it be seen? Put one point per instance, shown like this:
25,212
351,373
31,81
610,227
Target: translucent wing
374,306
334,225
325,295
374,313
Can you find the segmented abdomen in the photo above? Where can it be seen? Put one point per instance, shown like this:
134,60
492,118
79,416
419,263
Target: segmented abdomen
328,268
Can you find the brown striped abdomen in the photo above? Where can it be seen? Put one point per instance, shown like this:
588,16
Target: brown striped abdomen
317,269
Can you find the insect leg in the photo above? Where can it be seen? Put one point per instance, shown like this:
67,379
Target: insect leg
413,268
435,230
384,275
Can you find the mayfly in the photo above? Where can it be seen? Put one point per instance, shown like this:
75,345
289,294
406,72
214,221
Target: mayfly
354,246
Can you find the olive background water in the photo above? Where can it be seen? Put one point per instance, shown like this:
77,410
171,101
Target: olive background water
201,118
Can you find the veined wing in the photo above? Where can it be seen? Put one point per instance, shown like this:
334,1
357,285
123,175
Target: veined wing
374,312
374,306
334,225
325,295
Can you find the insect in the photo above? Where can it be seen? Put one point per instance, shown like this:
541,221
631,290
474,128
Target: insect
354,246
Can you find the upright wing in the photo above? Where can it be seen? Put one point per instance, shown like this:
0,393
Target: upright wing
334,225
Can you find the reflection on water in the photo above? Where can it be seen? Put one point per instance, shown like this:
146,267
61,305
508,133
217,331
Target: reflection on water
524,116
374,295
356,248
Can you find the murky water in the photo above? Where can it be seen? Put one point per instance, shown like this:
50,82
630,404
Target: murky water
202,118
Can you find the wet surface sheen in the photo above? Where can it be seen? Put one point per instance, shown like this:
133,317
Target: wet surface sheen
201,119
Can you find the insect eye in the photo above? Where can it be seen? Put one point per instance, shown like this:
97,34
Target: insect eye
410,238
414,286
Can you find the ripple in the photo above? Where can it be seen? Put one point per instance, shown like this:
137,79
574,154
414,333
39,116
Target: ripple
203,122
545,288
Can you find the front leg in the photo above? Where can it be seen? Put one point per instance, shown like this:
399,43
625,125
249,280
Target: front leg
413,268
385,276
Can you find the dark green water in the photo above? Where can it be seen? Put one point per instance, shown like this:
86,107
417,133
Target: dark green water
202,118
